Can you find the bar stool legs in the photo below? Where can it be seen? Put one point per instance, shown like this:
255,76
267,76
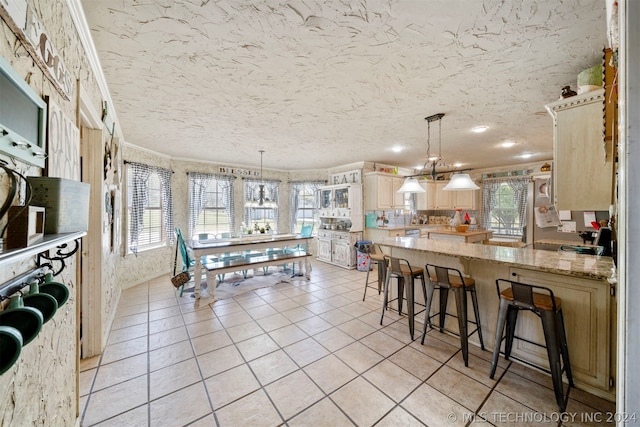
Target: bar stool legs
406,275
519,296
380,279
378,259
450,279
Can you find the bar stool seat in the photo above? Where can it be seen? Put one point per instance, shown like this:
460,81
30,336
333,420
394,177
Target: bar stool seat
520,296
406,275
377,259
446,279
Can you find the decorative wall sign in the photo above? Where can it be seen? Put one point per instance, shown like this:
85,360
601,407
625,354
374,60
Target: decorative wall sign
16,10
350,177
36,40
48,55
63,142
238,171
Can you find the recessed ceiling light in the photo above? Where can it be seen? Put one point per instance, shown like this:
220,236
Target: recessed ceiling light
396,148
508,144
479,129
457,164
526,155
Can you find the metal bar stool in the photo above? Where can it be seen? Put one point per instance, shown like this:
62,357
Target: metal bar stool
446,279
377,259
519,296
406,274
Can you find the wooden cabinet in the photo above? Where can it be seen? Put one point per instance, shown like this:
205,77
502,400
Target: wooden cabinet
436,198
586,307
324,247
583,159
381,192
466,199
337,247
342,202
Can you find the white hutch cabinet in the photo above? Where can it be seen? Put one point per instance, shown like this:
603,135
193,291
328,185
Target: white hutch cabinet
341,224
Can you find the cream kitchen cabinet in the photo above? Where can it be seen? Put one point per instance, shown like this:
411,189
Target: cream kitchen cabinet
381,192
338,247
466,199
583,161
436,198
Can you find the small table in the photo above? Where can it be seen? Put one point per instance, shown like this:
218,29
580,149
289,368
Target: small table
245,243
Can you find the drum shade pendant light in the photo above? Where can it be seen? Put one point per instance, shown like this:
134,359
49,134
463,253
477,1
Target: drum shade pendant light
262,201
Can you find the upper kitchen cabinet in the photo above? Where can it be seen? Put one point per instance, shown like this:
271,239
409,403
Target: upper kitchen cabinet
381,192
436,198
583,158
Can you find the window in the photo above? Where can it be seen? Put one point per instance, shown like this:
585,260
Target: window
149,207
305,205
503,206
263,217
210,204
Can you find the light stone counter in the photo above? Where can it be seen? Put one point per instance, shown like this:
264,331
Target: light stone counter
567,263
583,282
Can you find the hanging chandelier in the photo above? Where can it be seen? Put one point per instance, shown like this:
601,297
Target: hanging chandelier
262,201
458,182
411,184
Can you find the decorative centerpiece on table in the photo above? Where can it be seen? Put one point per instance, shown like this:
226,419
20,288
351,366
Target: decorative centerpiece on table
461,225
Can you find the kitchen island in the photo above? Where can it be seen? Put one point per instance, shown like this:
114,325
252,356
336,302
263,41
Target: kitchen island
469,236
584,283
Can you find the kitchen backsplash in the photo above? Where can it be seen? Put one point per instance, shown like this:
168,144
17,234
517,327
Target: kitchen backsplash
395,220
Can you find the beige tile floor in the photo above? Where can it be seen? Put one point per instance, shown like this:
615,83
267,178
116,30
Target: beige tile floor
306,353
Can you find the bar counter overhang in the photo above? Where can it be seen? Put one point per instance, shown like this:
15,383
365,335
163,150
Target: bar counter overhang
585,283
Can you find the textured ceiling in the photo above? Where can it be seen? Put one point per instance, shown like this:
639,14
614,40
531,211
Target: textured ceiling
323,83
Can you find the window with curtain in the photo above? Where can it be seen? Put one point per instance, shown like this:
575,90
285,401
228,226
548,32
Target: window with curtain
504,203
260,215
149,207
305,205
210,204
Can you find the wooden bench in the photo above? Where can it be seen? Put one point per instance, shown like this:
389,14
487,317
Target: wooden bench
253,261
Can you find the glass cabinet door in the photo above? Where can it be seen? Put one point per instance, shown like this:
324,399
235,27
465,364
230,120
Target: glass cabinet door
342,197
325,198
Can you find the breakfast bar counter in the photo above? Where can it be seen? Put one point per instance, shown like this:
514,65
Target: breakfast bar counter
585,283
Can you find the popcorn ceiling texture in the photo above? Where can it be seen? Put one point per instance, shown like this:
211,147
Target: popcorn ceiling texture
324,82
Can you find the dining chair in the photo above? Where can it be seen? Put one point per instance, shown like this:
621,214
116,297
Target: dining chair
305,231
187,261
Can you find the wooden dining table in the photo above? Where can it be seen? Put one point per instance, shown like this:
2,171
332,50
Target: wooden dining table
249,242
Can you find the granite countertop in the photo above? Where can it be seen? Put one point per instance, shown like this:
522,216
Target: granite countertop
564,242
410,227
567,263
461,233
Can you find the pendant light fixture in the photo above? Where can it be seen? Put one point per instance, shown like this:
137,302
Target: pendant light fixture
411,184
262,201
460,182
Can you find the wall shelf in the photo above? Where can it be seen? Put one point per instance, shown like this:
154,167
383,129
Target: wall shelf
50,241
